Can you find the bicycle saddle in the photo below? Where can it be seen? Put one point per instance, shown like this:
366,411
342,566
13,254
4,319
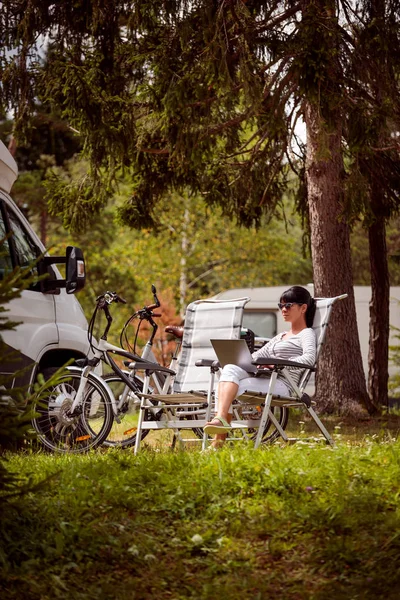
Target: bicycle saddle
175,330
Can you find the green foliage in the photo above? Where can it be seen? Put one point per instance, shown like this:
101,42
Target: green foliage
15,408
106,246
289,523
16,404
169,91
373,120
76,201
49,136
192,244
217,254
206,95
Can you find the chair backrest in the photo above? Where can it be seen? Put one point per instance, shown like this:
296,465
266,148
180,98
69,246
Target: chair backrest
205,319
320,325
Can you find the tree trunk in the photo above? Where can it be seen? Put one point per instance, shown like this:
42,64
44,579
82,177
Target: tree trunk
12,146
341,385
378,356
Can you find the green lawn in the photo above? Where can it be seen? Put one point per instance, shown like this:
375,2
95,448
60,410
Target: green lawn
284,522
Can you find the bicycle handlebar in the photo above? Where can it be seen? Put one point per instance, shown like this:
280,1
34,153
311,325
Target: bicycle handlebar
109,298
147,311
156,300
151,307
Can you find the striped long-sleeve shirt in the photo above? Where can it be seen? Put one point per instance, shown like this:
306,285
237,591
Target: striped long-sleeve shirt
301,348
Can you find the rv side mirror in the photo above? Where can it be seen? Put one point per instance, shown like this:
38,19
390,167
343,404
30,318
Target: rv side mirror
75,270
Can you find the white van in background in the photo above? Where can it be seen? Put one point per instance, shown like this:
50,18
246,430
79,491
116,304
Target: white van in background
52,327
262,315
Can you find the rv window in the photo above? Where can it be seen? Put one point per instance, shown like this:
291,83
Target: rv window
25,249
262,323
5,255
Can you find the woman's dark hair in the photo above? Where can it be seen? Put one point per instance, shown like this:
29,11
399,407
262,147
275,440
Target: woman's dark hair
302,296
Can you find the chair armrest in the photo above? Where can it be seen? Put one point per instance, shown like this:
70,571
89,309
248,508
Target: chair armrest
149,366
207,362
281,362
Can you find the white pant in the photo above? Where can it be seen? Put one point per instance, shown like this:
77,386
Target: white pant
247,382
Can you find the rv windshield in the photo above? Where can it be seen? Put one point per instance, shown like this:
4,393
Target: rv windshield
262,323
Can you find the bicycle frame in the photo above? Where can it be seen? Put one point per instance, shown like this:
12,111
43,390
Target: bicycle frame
104,351
84,373
162,383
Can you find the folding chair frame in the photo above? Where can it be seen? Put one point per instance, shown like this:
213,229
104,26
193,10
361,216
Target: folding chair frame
185,392
299,399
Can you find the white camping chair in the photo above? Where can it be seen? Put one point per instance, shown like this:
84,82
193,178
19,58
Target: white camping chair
298,398
189,403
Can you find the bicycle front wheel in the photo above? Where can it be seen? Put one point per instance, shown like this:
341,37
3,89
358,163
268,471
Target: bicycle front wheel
87,428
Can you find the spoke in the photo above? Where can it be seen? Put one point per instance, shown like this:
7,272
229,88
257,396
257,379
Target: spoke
68,391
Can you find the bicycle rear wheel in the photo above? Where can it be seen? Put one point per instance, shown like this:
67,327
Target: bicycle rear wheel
123,434
248,411
58,430
270,433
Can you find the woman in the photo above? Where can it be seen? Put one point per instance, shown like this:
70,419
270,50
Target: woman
298,345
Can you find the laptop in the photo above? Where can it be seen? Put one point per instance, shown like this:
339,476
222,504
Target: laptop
235,352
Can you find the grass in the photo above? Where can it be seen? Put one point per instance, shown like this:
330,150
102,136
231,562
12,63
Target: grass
347,429
302,521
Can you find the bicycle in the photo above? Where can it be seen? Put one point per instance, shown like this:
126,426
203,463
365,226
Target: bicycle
80,408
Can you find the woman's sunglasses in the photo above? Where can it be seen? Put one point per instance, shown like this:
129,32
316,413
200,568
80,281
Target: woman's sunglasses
287,305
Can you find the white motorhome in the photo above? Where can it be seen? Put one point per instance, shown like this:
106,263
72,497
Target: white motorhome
264,318
52,327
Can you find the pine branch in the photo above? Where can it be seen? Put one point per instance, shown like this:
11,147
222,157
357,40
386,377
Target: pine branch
275,21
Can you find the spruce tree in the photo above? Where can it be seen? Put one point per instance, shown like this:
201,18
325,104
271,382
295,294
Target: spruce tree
206,95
